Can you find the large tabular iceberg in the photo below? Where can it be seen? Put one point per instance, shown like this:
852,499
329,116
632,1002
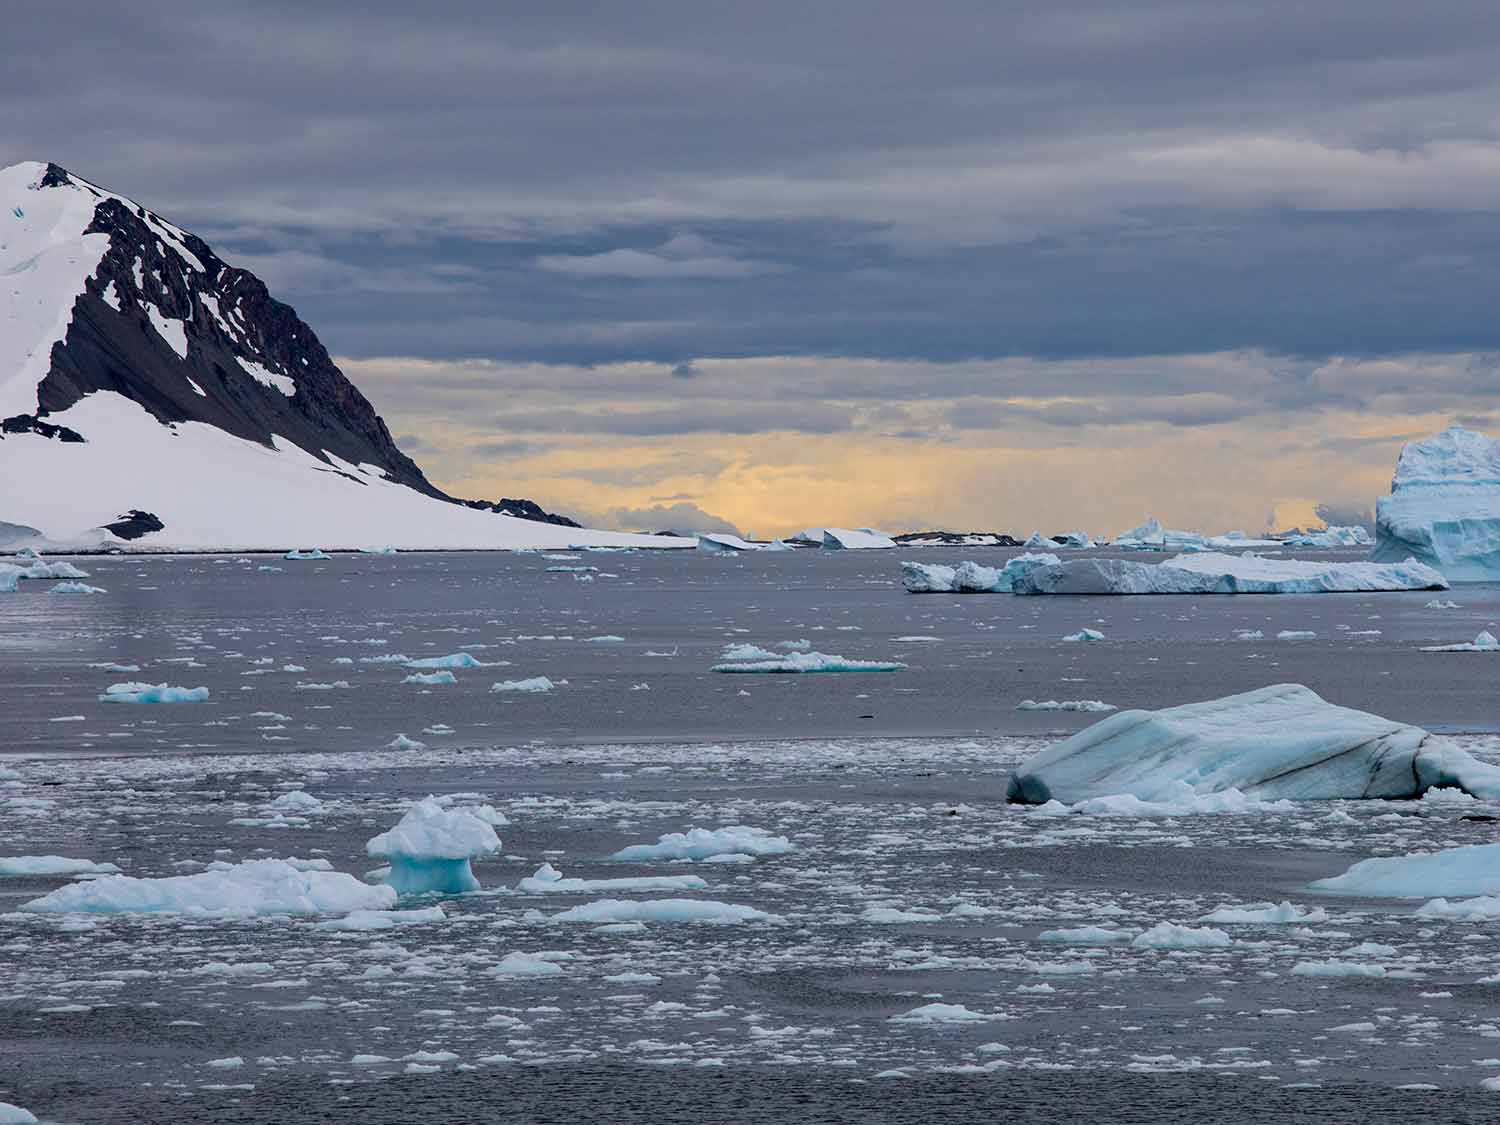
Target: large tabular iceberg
1444,506
970,577
1276,742
429,850
255,887
1214,573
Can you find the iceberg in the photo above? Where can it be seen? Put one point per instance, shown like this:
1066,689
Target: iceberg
77,588
1216,573
254,887
1444,506
533,684
430,848
720,544
970,577
1485,642
295,555
808,662
9,579
1273,743
1151,536
1329,538
1454,872
132,692
845,539
452,660
431,679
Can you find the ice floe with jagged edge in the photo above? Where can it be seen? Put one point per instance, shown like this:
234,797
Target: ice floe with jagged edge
1444,506
532,685
35,866
806,663
549,880
708,844
1217,573
970,577
1086,705
134,692
1277,742
254,887
429,849
1484,642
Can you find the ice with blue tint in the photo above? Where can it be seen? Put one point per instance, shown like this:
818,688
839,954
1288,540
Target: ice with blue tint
255,887
9,579
452,660
970,577
1454,872
1444,506
430,848
708,843
431,678
1330,537
132,692
808,662
1211,572
305,556
1277,742
718,543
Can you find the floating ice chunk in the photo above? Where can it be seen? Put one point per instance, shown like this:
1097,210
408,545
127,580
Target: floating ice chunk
295,555
1485,642
364,921
1444,506
1215,573
944,1013
9,579
15,1115
1176,799
77,588
1087,935
132,692
1439,603
779,545
808,662
548,880
254,887
452,660
1334,968
664,910
401,742
1454,872
297,800
1265,914
46,570
534,684
23,866
970,577
336,685
430,848
895,916
1065,705
720,544
431,679
525,965
748,652
1483,909
1085,635
1330,537
1169,935
605,639
1296,635
1276,742
844,539
704,843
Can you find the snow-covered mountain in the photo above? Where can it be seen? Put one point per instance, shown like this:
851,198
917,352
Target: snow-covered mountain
153,395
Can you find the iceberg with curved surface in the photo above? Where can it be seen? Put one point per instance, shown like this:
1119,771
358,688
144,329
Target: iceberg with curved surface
1211,572
1444,506
1273,743
970,577
1453,872
430,848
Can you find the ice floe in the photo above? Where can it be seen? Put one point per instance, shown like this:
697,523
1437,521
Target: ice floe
430,848
1453,872
808,662
22,866
132,692
534,684
1281,741
708,843
1065,705
548,880
1484,642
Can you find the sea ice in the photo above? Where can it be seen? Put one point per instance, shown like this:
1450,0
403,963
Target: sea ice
452,660
1444,506
1265,914
1169,935
664,910
254,887
1485,642
1452,873
704,843
970,577
15,1115
808,662
1065,705
525,965
430,848
21,866
944,1013
534,684
1275,742
131,692
304,556
1216,573
77,588
548,880
431,679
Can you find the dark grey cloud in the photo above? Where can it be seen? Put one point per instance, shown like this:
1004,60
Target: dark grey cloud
569,183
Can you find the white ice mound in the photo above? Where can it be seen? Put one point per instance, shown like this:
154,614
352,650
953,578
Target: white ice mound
1444,506
1330,537
549,880
970,577
430,848
1484,642
1456,872
133,692
1276,742
706,843
808,662
849,539
257,886
1214,573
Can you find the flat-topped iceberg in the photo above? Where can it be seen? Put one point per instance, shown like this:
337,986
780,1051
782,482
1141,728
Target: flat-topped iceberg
255,887
1151,536
1215,573
1454,872
430,848
848,539
1276,742
1444,506
970,577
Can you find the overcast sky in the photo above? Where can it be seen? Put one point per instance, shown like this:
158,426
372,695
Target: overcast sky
967,264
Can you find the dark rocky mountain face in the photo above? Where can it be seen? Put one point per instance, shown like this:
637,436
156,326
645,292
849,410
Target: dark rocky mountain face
157,284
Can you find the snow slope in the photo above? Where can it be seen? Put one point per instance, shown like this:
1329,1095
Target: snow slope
1277,742
1444,506
1214,573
